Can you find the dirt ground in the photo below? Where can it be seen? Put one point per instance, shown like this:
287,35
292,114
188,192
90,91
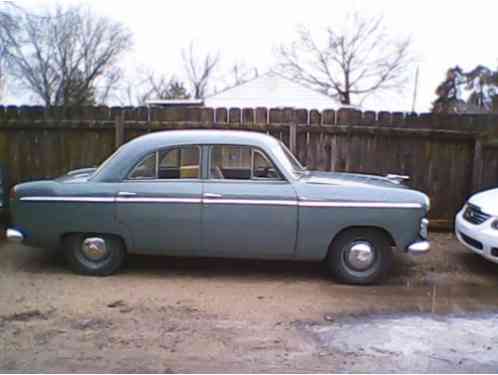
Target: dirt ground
162,314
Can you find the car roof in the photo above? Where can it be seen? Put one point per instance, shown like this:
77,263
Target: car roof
202,136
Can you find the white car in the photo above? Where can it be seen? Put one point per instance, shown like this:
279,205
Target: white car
476,225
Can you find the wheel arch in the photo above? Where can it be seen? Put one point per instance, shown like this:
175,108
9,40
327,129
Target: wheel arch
380,229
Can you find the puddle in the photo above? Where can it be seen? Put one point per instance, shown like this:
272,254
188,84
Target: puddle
422,342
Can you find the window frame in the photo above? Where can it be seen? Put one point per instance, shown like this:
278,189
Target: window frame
253,179
156,153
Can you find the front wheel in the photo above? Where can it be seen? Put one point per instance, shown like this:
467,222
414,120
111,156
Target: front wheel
360,256
94,254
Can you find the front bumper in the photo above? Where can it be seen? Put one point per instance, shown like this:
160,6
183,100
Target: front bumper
13,235
482,239
419,247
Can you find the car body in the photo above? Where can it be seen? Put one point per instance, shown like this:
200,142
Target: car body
476,225
219,193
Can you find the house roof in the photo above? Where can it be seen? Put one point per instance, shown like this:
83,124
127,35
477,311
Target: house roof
271,90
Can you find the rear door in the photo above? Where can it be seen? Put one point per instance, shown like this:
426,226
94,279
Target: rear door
249,209
160,202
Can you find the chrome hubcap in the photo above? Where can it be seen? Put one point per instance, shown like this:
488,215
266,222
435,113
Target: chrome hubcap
94,248
360,255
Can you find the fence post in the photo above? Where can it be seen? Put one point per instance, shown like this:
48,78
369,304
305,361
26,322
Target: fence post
477,165
292,137
119,129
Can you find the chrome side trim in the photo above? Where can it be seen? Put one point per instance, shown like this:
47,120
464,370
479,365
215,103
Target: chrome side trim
358,204
158,200
251,202
68,199
275,202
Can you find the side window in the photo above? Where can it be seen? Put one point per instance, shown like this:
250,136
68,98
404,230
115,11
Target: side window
179,163
146,169
240,163
171,164
263,167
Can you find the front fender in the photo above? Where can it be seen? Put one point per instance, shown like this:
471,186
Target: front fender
319,226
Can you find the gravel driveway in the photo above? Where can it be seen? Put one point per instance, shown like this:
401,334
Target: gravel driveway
166,314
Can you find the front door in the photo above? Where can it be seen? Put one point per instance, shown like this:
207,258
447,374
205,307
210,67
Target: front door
249,209
160,202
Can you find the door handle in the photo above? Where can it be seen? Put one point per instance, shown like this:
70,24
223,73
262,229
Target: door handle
212,195
126,194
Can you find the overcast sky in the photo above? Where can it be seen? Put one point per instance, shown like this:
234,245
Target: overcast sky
444,33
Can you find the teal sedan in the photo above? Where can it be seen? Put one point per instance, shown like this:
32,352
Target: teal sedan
220,193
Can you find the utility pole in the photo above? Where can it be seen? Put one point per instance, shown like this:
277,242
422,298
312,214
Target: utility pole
415,89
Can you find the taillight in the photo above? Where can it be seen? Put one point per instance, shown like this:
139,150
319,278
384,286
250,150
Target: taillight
12,194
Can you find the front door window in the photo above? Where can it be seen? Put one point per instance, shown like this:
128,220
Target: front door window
241,163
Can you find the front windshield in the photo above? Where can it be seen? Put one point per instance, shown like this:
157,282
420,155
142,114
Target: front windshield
291,162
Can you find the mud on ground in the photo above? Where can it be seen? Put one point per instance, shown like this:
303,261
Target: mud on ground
165,314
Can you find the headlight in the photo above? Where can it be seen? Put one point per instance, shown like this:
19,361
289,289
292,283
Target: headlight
494,224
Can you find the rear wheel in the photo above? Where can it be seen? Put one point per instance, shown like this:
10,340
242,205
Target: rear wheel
360,256
94,254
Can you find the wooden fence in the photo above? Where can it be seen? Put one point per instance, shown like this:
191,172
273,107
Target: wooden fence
447,156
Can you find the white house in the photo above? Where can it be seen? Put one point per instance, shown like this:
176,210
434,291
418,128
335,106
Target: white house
269,90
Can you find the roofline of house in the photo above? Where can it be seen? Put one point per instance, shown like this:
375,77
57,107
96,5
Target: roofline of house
177,102
274,73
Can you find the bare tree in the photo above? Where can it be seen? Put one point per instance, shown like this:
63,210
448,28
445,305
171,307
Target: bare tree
355,61
146,85
9,30
238,74
9,27
2,75
67,56
200,70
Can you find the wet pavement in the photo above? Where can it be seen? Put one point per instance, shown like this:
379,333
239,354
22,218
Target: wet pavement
410,342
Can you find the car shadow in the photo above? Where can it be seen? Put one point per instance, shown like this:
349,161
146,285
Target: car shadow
37,261
199,267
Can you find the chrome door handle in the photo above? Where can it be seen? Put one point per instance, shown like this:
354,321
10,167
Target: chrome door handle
212,195
126,194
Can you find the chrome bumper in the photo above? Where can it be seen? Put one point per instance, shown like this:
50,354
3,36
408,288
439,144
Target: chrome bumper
14,235
420,247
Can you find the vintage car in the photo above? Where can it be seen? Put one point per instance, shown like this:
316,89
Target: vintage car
476,225
220,193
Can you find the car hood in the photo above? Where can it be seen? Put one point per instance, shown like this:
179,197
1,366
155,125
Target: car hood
487,201
351,179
